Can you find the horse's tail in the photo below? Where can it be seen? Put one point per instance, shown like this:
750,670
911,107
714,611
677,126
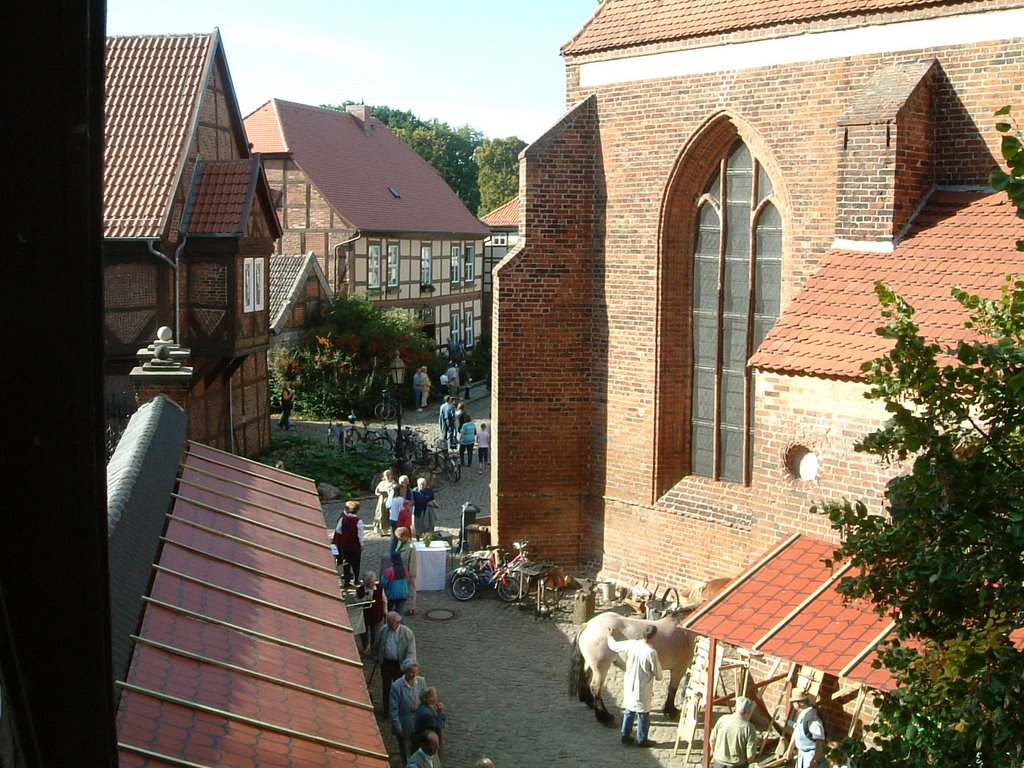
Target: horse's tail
578,687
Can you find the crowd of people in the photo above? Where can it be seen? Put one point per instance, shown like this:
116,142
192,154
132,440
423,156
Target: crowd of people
404,513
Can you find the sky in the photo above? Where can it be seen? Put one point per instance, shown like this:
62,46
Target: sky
492,65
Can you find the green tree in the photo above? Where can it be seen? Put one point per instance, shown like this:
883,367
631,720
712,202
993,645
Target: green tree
499,171
946,561
449,150
348,363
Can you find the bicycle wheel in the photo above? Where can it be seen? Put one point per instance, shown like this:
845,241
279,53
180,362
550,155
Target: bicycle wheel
508,586
384,411
463,587
453,469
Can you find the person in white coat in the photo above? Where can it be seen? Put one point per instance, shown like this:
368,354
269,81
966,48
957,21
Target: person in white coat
642,668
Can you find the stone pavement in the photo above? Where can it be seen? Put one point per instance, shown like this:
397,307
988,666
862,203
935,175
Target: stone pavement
501,672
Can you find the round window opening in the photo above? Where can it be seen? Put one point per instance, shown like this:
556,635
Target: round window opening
802,462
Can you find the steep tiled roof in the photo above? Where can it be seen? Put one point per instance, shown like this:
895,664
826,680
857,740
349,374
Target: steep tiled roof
505,215
356,169
288,275
786,606
152,93
959,239
245,654
223,197
625,23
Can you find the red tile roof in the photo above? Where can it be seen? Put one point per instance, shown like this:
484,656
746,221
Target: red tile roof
152,93
785,605
355,170
245,655
224,196
505,215
959,239
625,23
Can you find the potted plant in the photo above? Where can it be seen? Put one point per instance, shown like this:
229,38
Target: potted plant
428,539
426,287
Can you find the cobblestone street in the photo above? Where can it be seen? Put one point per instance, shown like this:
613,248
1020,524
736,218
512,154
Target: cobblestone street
502,673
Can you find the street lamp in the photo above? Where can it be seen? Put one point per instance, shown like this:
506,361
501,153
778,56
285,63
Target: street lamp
398,379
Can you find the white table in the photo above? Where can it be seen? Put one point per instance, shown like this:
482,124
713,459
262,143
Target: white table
431,566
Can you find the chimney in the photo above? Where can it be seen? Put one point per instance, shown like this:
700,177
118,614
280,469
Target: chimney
886,167
161,370
361,113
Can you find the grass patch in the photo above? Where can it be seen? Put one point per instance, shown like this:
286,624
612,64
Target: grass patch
352,471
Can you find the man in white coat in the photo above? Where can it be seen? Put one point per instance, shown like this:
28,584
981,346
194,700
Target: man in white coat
642,668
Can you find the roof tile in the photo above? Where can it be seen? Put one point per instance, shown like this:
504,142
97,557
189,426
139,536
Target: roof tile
245,654
224,196
787,606
505,215
151,92
625,23
964,239
355,169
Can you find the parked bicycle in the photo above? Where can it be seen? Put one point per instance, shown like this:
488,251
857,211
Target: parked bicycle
485,573
388,407
348,434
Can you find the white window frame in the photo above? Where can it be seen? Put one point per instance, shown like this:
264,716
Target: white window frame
455,331
469,273
393,264
470,331
499,238
258,287
373,266
456,264
426,264
247,284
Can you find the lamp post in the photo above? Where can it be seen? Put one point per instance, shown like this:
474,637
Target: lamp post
398,378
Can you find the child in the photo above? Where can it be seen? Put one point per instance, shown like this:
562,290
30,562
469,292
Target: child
483,447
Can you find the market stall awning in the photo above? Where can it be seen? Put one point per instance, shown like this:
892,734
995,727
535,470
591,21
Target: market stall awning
245,654
785,605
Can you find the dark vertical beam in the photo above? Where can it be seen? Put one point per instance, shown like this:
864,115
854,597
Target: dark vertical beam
55,668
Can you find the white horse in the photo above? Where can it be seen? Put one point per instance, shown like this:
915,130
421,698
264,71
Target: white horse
591,657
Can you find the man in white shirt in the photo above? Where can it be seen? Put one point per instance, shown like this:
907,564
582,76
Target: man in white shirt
642,668
808,730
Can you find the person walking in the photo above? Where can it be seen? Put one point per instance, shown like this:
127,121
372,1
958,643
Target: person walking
348,538
396,649
287,401
402,544
453,378
483,447
404,698
734,739
467,438
446,419
642,668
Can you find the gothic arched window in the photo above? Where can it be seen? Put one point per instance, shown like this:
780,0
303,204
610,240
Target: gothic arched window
737,273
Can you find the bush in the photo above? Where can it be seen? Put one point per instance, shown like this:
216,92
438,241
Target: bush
352,470
347,366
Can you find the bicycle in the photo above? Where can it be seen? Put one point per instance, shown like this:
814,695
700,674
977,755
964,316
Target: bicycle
388,407
485,573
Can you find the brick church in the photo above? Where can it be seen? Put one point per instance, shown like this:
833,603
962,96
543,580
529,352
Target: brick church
680,330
